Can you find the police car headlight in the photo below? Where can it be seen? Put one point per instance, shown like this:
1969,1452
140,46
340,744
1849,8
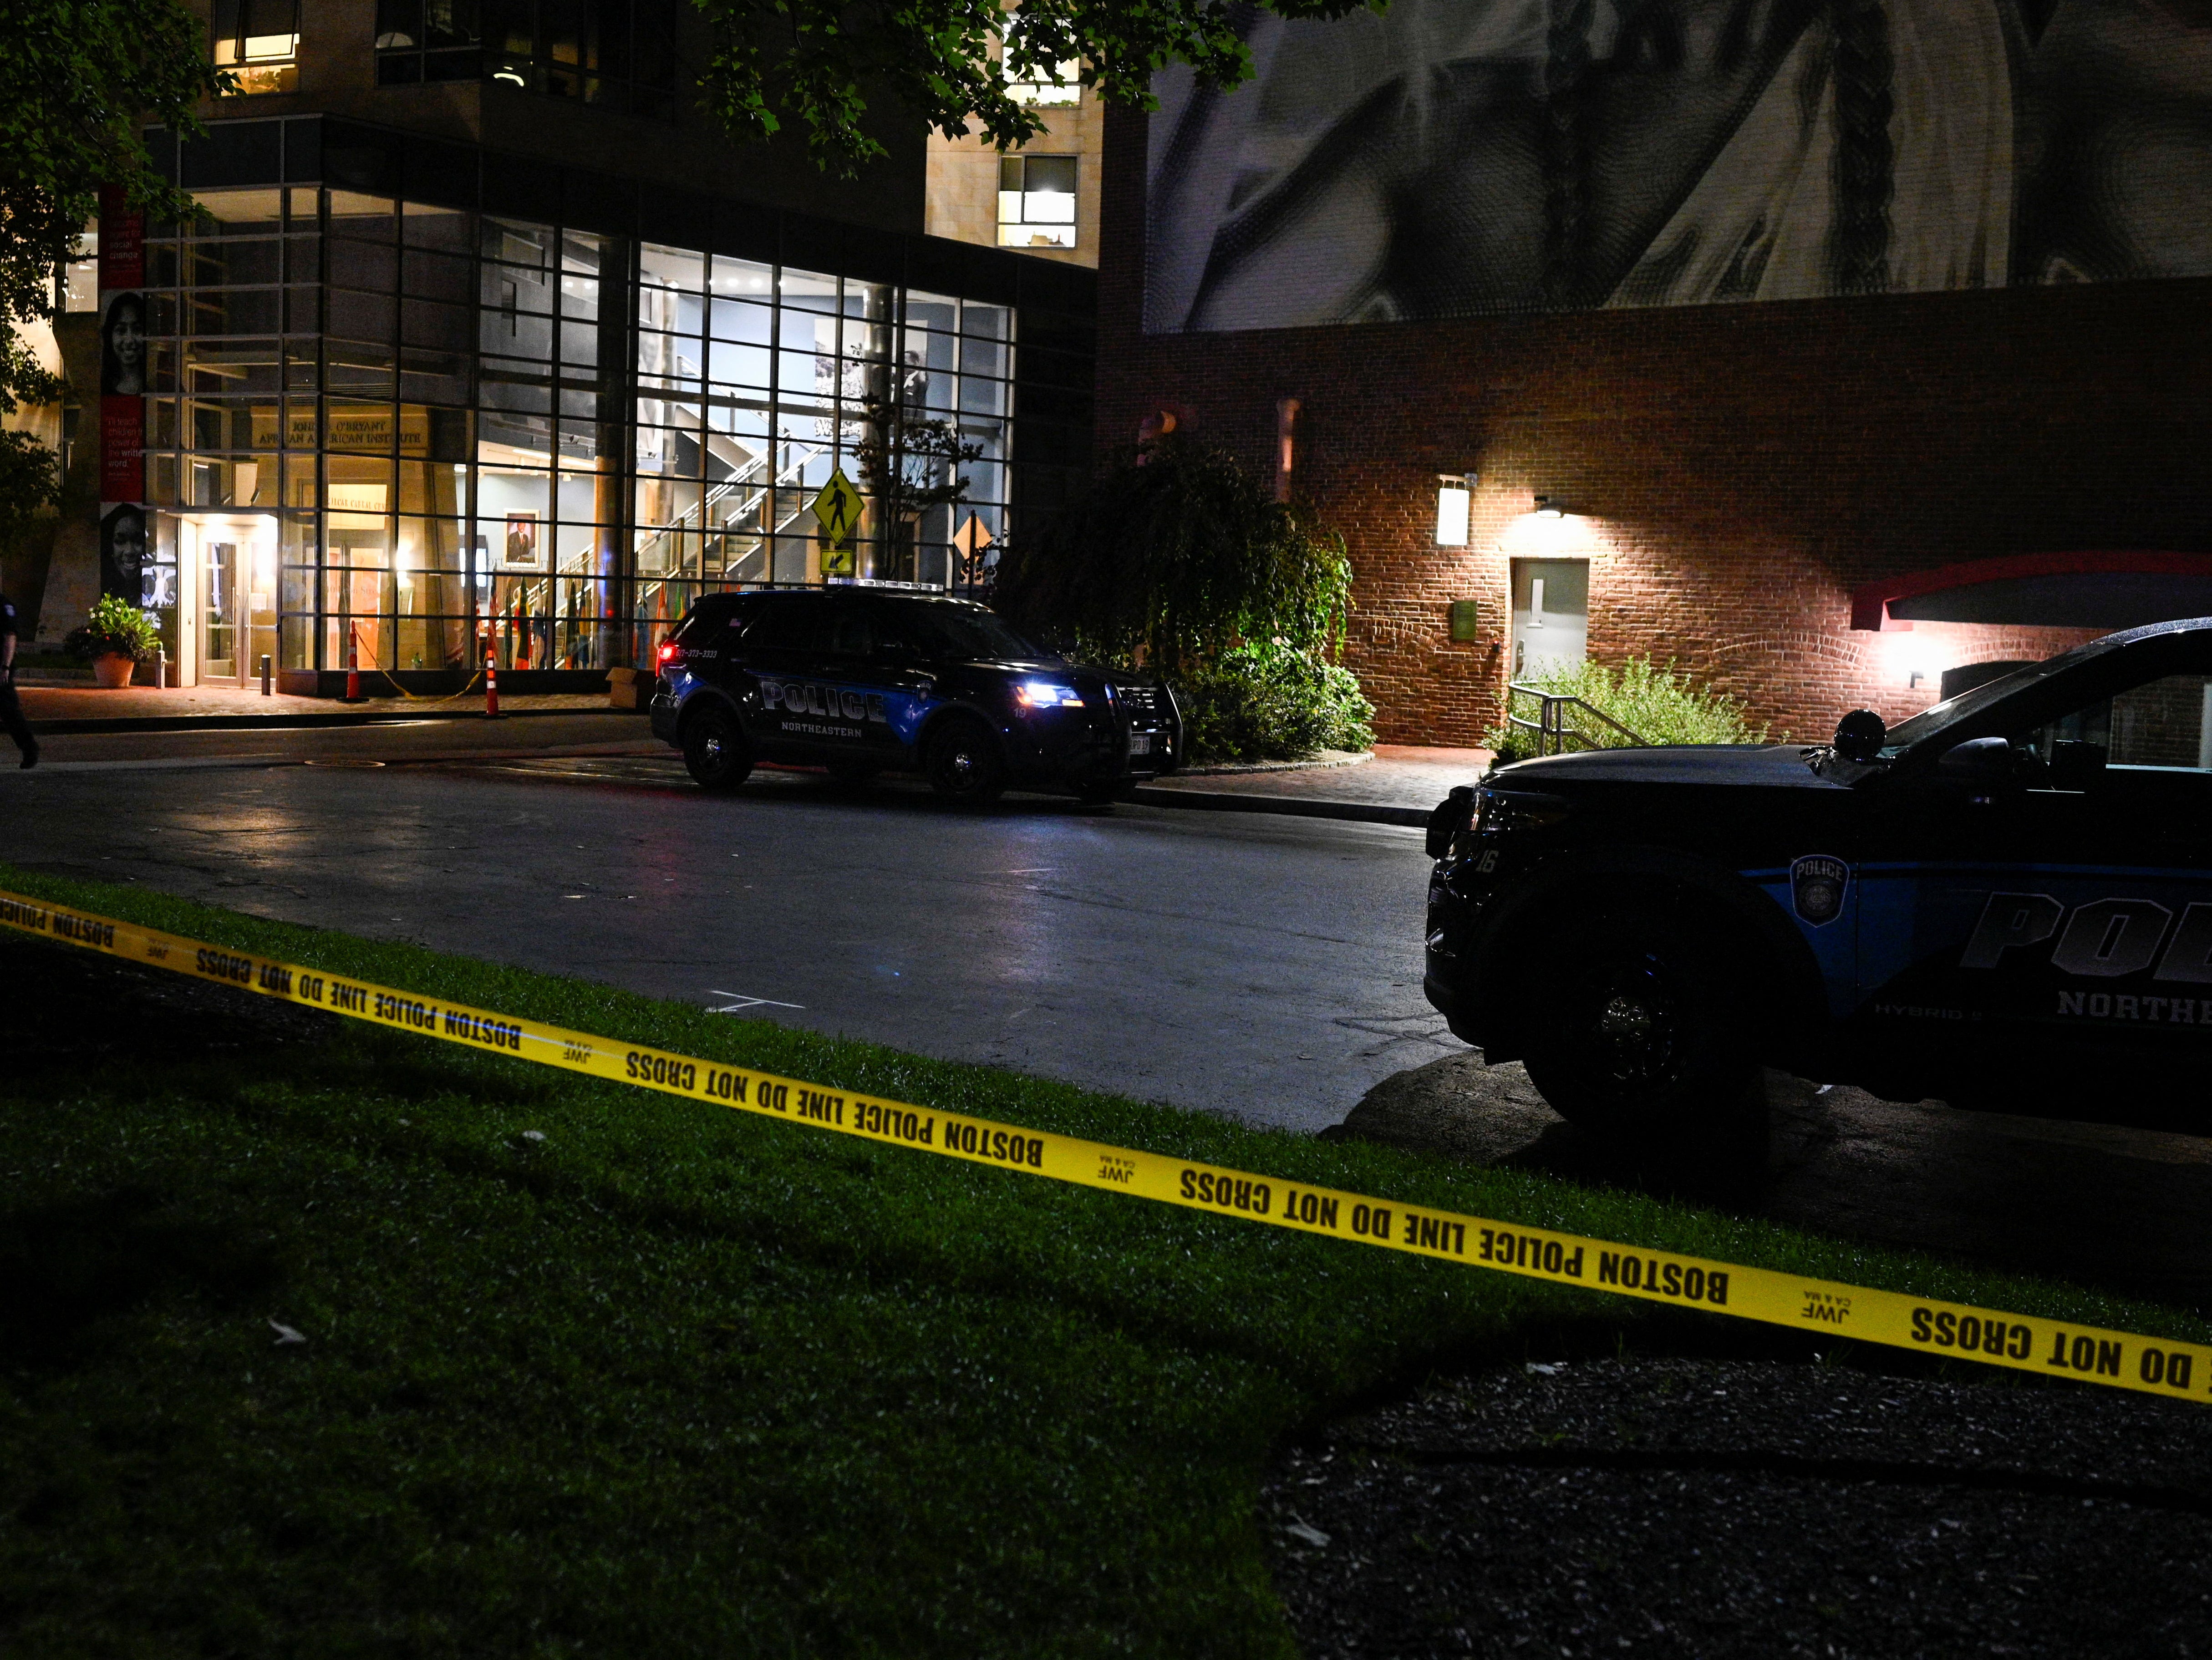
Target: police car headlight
1043,695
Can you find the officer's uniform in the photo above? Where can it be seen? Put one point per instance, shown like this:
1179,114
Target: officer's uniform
11,711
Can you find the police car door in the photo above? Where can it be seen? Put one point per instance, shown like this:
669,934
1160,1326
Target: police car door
2072,921
781,659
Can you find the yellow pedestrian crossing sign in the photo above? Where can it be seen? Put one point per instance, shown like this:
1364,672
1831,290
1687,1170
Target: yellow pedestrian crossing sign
837,510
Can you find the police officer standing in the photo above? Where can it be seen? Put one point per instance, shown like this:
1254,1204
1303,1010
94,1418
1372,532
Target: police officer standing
11,709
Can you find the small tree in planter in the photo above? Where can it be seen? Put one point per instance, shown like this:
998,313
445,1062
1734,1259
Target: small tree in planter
115,638
1179,560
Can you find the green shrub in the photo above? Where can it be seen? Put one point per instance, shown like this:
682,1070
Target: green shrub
115,628
1271,702
1659,705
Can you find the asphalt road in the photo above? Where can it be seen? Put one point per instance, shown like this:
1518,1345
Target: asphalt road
1264,966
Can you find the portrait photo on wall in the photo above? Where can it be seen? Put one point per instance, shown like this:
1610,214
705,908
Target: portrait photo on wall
123,552
523,552
123,345
1466,157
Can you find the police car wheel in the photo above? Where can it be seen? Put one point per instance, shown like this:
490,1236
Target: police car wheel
714,750
1639,1039
963,763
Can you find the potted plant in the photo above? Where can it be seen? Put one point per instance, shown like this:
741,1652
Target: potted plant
116,637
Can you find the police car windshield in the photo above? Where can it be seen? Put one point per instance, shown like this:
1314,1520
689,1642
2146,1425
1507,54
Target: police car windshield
954,633
1968,704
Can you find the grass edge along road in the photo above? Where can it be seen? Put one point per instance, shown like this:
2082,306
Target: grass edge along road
673,1378
1830,1308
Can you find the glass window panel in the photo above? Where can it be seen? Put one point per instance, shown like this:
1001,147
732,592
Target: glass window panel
439,487
735,365
303,258
398,23
809,290
235,264
303,311
932,311
983,357
366,218
980,321
518,242
435,275
360,427
229,212
362,316
671,268
437,327
579,344
579,298
303,488
357,492
516,288
512,333
743,278
504,436
449,229
741,320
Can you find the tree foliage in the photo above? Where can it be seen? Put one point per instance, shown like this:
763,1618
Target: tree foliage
30,478
813,64
79,81
1179,553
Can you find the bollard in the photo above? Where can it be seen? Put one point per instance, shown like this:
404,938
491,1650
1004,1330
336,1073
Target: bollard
353,665
491,681
264,674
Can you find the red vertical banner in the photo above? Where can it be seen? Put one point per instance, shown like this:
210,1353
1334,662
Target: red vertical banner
123,374
122,242
122,448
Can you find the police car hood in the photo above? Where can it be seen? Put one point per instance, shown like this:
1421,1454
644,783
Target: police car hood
1757,765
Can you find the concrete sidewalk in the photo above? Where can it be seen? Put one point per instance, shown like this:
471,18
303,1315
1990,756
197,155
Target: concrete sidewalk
1396,784
52,709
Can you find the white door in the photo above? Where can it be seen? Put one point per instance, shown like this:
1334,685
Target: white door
1550,615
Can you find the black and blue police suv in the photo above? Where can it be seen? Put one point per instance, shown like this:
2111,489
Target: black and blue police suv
2005,900
864,680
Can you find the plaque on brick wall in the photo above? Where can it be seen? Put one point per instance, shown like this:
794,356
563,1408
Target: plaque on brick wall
1466,621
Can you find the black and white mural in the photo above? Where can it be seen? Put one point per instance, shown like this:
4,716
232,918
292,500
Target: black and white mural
1458,157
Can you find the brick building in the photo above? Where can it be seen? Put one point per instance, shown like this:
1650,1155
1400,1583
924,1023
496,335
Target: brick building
1956,417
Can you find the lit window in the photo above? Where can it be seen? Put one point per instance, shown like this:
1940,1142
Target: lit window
259,42
1063,89
1037,202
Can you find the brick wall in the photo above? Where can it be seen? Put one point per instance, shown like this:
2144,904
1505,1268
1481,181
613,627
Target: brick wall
1731,471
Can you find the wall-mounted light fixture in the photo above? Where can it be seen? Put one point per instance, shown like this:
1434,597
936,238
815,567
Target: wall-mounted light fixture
1550,506
1452,489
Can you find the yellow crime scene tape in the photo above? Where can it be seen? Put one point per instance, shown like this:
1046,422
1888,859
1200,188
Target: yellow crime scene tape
2117,1359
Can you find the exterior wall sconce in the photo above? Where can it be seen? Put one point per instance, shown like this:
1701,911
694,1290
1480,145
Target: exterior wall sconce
1451,509
1550,506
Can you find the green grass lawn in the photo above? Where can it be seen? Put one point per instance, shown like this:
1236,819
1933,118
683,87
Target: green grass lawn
677,1381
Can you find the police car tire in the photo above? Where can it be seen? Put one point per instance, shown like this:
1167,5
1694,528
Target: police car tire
1638,1032
963,764
715,751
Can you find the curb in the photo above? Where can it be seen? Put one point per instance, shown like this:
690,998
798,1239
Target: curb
1362,812
272,722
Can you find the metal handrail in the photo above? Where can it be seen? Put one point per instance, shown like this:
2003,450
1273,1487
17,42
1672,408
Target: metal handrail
1551,727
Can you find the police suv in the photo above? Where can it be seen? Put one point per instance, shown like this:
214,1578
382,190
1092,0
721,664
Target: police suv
2005,900
864,680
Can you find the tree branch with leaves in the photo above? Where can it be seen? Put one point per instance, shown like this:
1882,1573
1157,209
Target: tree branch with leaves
812,65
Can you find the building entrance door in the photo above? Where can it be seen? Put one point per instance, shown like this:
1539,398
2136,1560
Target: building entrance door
220,605
1550,615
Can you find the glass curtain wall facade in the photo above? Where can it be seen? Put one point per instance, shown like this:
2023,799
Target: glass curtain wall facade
391,434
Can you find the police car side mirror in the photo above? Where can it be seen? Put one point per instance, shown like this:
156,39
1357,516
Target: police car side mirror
1448,819
1860,735
1982,764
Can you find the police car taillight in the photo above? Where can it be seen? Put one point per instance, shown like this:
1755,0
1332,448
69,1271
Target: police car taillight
668,652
